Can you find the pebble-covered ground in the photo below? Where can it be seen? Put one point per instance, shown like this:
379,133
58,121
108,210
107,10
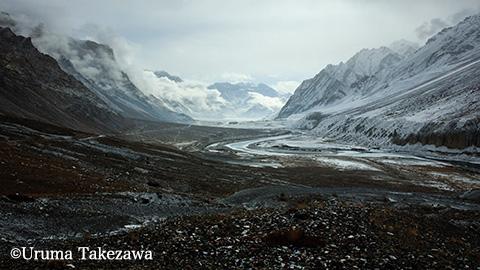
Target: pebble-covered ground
319,233
62,183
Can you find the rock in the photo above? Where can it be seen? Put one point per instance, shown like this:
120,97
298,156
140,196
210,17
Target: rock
17,198
389,199
292,236
153,183
141,170
471,195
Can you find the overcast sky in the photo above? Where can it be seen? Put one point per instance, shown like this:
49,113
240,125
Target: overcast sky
267,40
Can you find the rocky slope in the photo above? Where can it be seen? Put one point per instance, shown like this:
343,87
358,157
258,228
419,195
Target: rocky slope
336,83
96,67
32,85
399,95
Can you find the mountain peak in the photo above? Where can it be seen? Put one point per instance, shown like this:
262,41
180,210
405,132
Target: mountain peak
164,74
404,47
368,61
98,48
465,28
427,96
8,35
6,32
6,20
232,90
473,19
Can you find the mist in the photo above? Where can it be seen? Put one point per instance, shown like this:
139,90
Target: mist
267,41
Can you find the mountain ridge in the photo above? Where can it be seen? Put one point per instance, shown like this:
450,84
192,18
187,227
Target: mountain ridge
113,84
429,96
34,86
95,65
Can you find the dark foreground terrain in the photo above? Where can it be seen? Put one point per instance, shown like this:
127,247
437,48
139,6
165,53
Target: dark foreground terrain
62,189
313,233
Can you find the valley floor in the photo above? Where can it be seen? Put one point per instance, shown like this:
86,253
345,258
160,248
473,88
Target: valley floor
236,199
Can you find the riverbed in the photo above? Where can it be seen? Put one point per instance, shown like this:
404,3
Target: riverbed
298,149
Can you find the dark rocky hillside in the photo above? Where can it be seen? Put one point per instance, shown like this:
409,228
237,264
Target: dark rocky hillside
32,85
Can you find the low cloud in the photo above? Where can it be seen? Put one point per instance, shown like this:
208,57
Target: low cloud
193,98
286,87
430,28
197,100
272,103
90,63
125,50
185,37
233,77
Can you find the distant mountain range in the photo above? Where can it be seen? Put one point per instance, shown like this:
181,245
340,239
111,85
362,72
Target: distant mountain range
218,101
239,91
250,100
399,94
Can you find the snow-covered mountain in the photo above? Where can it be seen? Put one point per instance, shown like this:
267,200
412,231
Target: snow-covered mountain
239,91
249,100
399,94
336,83
404,47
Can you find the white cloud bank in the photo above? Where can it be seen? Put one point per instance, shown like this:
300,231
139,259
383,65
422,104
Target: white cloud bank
271,103
193,98
200,102
286,87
